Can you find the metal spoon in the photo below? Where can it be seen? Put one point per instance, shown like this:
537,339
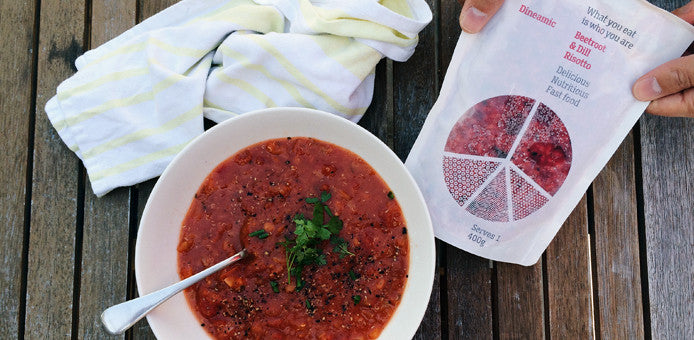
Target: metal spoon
117,319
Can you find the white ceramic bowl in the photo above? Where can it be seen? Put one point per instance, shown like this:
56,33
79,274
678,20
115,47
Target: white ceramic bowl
158,235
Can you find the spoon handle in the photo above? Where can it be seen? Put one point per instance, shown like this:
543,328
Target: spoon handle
117,319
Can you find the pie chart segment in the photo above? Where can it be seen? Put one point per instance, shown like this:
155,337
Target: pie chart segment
544,153
464,176
526,199
492,204
490,127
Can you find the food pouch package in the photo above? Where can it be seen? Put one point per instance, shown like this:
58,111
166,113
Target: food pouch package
530,111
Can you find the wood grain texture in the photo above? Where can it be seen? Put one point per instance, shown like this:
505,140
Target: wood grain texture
668,193
519,293
415,89
431,326
378,118
449,33
616,242
55,200
16,66
667,158
104,267
141,329
469,288
569,283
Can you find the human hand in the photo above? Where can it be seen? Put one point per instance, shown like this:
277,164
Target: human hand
476,13
670,86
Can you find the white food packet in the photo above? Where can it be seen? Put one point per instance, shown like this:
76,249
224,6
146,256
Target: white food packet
530,111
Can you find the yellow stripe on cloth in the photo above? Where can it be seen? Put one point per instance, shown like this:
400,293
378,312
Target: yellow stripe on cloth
119,103
115,76
144,133
135,163
135,47
398,6
250,16
248,88
336,22
357,58
245,62
207,103
178,50
296,73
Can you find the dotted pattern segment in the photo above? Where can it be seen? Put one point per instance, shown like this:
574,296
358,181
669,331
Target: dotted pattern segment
491,204
526,200
464,176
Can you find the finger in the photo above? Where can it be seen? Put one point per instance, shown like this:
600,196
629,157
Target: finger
476,13
669,78
686,12
680,104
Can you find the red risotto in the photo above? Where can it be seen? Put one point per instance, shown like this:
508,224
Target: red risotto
327,242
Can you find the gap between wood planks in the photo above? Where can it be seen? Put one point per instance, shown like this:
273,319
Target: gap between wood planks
21,313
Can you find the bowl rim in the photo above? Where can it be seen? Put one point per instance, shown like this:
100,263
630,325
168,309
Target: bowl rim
422,249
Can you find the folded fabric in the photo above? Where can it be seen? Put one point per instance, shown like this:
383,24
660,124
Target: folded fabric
138,99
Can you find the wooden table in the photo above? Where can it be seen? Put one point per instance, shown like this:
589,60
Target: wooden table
622,266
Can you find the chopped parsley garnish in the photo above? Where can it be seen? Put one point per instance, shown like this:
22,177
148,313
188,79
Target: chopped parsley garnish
340,246
356,299
261,234
308,304
391,195
275,286
303,250
352,275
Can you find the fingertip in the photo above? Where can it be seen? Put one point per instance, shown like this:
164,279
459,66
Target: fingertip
472,20
647,89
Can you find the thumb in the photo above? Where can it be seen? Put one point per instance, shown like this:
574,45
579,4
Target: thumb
476,13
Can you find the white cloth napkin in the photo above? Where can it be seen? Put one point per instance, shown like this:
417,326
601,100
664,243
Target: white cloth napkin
138,99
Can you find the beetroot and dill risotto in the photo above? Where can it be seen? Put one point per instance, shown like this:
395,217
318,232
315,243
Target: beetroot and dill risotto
327,241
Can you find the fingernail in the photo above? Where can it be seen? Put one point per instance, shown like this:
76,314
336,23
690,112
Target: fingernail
472,20
647,89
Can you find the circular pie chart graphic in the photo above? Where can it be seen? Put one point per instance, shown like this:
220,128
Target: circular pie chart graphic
506,157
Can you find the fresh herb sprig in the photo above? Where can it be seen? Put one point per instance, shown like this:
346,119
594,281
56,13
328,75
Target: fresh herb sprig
260,233
303,250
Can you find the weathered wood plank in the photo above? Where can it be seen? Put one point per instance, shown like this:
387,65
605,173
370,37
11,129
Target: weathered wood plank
520,312
415,87
55,180
431,327
667,159
141,330
378,119
16,74
104,273
616,241
569,279
469,288
668,194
